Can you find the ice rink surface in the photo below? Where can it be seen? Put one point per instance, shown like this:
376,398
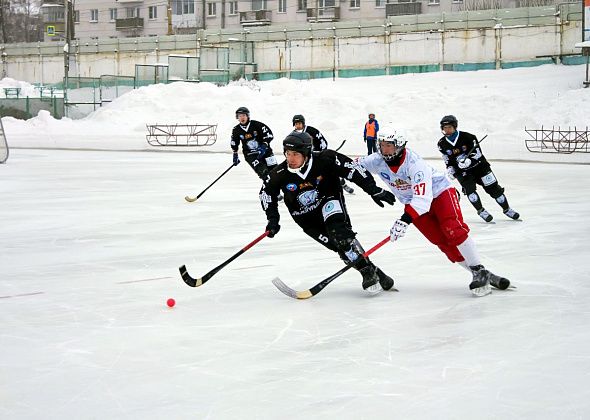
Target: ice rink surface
91,244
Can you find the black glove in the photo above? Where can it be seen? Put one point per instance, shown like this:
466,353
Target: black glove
379,195
236,159
273,228
262,148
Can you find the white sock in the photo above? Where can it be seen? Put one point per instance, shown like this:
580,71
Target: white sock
469,252
464,265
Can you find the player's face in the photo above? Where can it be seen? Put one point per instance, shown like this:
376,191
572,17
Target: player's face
242,118
295,160
387,148
298,125
448,129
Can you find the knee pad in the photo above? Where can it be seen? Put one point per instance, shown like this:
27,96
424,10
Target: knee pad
488,179
473,197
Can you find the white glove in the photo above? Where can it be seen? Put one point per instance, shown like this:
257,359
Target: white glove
451,172
398,230
464,164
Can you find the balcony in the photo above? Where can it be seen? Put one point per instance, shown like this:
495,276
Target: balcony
323,14
401,9
53,13
255,18
129,24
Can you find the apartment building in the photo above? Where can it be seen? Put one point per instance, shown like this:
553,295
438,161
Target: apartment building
132,18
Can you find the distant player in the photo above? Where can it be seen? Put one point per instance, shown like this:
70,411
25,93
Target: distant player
310,184
319,142
255,138
466,162
431,204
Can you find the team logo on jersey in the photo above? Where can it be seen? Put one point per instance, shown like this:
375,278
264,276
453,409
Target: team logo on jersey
252,144
247,136
385,175
291,187
449,152
456,151
308,197
400,184
418,177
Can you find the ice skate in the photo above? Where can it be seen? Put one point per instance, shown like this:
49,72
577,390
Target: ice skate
498,282
480,285
511,213
485,215
385,281
371,279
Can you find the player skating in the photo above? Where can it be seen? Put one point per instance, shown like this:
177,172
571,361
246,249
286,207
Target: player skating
430,203
465,161
312,193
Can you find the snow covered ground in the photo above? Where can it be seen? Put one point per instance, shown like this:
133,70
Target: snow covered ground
92,240
498,103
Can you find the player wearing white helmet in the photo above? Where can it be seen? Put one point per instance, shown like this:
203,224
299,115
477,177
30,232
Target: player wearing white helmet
430,203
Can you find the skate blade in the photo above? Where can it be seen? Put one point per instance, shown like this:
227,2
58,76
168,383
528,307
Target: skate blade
374,289
481,291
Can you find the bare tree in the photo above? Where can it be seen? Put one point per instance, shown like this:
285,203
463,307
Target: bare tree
2,21
20,21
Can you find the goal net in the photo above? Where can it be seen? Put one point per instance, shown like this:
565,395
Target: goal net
3,144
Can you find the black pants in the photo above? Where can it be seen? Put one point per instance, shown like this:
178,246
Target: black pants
260,166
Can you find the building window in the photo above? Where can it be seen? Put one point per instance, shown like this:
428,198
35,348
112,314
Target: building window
301,5
76,16
93,15
132,12
457,1
211,9
153,12
379,3
233,7
355,4
188,7
433,2
282,6
113,14
258,5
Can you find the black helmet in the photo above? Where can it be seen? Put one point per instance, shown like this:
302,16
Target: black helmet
298,142
449,120
298,118
243,110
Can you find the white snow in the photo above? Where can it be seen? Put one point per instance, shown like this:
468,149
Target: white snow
92,240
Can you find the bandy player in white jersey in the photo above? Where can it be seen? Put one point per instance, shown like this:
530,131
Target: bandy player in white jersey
430,203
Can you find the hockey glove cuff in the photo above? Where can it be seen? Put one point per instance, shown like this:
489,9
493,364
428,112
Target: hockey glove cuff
236,159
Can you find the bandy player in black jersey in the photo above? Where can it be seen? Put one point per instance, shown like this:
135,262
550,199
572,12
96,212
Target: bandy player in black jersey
310,184
466,162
